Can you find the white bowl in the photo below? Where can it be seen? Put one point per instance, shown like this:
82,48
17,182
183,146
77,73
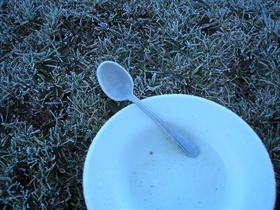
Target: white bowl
131,165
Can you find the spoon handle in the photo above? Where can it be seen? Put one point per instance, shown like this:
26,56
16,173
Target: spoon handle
189,147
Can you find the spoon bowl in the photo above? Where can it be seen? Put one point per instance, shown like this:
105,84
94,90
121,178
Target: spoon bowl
115,81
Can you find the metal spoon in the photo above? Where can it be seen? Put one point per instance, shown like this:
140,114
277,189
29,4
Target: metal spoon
117,84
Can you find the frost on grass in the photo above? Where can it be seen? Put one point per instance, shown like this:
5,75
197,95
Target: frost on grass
51,106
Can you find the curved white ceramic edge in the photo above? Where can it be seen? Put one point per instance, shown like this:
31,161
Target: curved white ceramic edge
86,177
